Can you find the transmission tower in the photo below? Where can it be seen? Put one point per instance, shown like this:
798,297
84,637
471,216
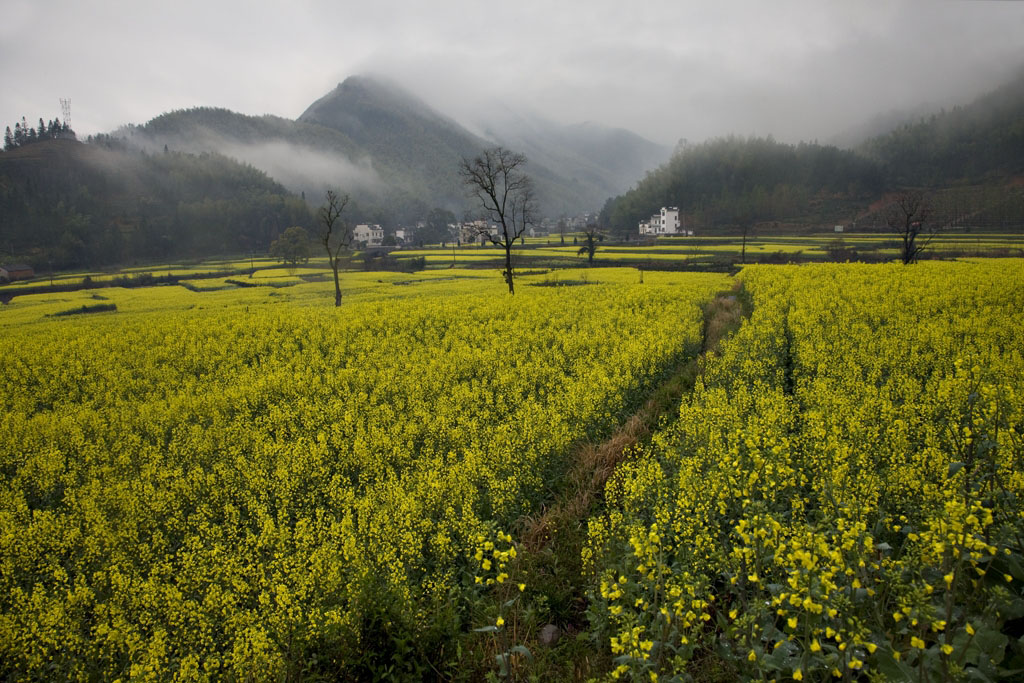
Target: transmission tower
65,107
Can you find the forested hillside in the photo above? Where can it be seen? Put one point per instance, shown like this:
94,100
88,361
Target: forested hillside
968,158
67,204
977,142
734,180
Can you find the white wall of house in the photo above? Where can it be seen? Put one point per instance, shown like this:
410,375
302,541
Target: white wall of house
370,235
669,220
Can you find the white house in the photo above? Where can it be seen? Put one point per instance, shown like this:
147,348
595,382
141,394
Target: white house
370,235
664,223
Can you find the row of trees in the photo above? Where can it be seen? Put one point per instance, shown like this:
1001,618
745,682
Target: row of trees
496,178
24,135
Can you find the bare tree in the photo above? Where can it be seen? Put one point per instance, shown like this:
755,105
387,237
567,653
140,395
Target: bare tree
496,179
591,237
335,235
908,216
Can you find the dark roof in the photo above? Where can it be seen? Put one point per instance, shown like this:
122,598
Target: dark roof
15,266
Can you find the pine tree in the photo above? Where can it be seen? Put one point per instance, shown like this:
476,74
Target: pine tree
9,140
19,135
41,131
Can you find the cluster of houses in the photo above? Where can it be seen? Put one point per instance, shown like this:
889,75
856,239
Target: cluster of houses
665,223
469,232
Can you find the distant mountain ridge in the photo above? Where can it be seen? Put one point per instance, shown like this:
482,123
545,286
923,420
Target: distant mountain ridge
391,150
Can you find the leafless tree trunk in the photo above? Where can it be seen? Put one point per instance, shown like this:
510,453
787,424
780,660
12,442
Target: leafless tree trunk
496,179
334,235
908,217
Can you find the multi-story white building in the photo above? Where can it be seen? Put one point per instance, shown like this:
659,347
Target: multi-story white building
369,235
664,223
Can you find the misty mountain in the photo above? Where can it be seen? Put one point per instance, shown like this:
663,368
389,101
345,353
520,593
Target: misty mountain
414,148
303,157
69,204
602,161
398,157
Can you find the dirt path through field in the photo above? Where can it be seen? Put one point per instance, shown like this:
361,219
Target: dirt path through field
552,616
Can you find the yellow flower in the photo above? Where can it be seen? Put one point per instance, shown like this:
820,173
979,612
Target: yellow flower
917,642
752,657
815,646
970,629
947,649
500,622
798,675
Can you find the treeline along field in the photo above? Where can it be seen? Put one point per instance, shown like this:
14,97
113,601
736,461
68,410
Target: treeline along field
841,495
260,491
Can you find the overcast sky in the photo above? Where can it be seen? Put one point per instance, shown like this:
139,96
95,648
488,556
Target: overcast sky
667,70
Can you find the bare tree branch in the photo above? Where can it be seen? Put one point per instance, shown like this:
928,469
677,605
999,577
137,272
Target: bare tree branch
496,179
909,218
334,235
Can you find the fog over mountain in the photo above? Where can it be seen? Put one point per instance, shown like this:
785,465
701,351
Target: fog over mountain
392,152
665,70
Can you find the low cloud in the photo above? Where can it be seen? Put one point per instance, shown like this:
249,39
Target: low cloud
303,169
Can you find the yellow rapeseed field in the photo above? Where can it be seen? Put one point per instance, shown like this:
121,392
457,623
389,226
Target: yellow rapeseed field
841,496
258,489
